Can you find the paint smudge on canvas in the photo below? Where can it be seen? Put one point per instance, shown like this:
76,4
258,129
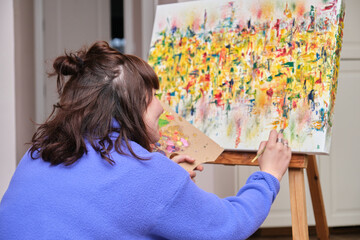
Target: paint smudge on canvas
237,69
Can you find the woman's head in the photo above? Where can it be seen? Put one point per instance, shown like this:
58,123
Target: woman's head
97,87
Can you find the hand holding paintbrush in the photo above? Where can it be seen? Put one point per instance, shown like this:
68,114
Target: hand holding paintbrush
274,156
263,150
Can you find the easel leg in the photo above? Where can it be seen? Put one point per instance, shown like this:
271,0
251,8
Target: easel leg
298,204
322,228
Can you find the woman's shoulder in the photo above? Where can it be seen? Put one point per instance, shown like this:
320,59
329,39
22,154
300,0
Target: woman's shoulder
150,160
156,177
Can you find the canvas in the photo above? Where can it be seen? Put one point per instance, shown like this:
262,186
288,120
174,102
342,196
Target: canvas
237,69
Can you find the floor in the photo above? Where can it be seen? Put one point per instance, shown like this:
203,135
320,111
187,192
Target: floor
332,237
339,233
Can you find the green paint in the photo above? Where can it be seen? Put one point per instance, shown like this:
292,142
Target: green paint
197,97
293,6
292,129
163,122
289,64
158,95
228,107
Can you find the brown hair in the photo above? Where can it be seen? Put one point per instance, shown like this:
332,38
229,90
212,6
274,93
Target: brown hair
96,87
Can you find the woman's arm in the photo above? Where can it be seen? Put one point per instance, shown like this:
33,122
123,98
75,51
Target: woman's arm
234,217
196,214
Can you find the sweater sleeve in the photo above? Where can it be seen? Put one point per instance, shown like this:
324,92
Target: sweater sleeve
196,214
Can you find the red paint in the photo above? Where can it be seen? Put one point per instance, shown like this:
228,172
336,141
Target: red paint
170,117
222,55
237,141
282,52
207,77
294,105
218,96
168,97
190,84
218,99
270,92
329,7
204,58
277,26
319,80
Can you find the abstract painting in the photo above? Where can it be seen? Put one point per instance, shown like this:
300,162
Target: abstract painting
237,69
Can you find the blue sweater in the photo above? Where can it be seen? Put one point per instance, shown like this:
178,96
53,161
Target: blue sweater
133,199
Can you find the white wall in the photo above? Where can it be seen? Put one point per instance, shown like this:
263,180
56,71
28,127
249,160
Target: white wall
24,74
68,25
17,63
7,94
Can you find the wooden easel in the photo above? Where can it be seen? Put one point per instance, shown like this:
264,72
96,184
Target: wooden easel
298,163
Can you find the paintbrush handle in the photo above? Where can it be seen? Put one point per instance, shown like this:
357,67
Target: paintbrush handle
257,156
263,150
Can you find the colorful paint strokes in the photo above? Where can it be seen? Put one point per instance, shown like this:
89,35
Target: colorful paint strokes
172,138
179,136
237,69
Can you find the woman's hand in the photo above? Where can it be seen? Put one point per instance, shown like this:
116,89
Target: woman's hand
179,158
276,157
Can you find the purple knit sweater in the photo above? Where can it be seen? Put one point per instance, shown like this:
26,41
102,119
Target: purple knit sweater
133,199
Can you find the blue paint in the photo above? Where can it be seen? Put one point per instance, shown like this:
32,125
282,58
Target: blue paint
322,114
311,98
173,29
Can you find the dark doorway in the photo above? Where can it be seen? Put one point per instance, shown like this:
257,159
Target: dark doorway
117,25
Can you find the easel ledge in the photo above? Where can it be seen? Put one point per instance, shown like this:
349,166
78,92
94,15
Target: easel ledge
245,158
298,163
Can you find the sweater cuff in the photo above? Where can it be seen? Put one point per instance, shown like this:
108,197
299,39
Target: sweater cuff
272,182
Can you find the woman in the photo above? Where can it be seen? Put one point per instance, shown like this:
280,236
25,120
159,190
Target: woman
90,172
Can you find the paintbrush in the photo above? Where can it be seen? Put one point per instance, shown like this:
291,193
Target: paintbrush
263,150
